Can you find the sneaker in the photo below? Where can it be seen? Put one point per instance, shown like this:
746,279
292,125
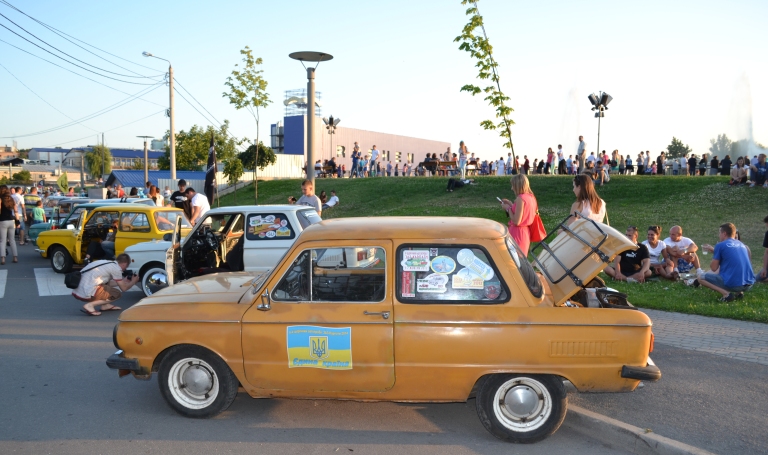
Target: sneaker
739,296
752,185
728,298
692,282
700,273
631,280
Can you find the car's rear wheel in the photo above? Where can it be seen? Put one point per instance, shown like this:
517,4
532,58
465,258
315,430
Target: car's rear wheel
153,279
521,408
61,261
196,383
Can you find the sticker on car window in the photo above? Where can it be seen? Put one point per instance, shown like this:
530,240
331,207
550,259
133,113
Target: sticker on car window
468,259
327,348
433,251
274,226
432,283
443,264
415,261
467,279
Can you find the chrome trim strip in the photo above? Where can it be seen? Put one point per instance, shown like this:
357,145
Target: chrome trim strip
316,322
518,323
162,320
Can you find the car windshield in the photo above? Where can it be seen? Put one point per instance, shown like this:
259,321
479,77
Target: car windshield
526,269
166,220
308,218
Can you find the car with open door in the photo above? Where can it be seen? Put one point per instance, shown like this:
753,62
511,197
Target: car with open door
249,238
414,309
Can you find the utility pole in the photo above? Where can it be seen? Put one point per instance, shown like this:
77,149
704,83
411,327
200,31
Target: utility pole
146,159
102,155
173,133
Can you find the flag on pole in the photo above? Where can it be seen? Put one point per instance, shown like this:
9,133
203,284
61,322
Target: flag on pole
210,172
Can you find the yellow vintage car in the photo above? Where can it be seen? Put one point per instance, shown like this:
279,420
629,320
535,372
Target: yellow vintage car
136,223
413,309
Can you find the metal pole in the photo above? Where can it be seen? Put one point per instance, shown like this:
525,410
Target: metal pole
600,113
172,138
310,124
82,174
146,163
103,159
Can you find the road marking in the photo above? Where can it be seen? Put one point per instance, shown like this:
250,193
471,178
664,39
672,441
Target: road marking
3,280
50,283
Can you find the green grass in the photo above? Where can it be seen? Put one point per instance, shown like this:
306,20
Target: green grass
698,204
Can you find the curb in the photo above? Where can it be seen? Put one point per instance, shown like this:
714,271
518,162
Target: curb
623,436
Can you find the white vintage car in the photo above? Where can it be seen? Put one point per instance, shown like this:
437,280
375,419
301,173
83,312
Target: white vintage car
238,238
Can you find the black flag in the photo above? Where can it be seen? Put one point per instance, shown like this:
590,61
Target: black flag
210,173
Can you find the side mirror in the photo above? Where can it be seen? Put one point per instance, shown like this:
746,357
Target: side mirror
168,237
266,301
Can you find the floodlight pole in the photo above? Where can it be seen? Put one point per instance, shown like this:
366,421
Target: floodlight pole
146,159
599,118
310,124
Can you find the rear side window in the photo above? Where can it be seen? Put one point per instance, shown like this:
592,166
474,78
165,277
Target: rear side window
462,274
526,269
307,218
269,226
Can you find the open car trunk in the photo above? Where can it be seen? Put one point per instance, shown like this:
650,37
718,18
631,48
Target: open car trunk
576,255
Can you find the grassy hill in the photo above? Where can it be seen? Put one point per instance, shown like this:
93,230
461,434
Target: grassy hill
698,204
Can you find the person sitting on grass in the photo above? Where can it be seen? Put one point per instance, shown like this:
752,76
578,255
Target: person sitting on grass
739,173
632,266
454,183
682,251
762,276
661,264
731,260
759,172
332,202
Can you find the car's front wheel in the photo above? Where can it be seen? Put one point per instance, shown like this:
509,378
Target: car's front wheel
154,279
61,261
196,383
521,408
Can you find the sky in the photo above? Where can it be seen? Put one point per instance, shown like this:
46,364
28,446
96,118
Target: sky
688,69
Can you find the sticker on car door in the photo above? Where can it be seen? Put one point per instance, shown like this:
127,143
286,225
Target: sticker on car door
327,348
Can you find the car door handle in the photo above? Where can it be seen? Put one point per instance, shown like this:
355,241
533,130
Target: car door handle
383,314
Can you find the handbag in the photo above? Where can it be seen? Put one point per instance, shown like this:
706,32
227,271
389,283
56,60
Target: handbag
72,279
538,233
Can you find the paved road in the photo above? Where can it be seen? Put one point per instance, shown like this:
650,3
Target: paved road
59,397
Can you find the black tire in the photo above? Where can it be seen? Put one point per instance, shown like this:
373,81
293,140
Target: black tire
61,261
535,410
214,388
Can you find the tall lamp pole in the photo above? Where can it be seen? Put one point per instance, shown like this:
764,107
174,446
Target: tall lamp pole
171,113
146,159
600,105
310,57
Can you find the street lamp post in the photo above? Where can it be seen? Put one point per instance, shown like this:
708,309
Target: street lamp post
171,113
310,57
600,105
330,125
146,158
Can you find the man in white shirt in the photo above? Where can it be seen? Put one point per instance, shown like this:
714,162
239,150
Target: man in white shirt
561,160
684,165
199,205
333,201
102,283
18,199
509,163
581,154
682,251
592,158
372,162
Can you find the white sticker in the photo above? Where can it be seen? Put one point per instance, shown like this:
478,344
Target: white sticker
415,261
432,283
467,279
270,234
468,259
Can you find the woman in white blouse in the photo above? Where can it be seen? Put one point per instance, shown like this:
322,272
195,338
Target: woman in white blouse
661,264
588,204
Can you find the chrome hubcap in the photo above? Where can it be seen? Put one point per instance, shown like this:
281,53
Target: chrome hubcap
193,383
58,259
522,404
155,281
197,380
521,401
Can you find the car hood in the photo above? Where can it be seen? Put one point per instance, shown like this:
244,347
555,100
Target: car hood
153,245
206,298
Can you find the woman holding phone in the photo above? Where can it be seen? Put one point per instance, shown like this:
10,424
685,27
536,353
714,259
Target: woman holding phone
521,212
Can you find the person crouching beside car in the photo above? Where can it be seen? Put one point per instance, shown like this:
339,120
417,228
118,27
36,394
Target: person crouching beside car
102,283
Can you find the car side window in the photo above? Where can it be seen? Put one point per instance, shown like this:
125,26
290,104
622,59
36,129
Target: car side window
461,274
345,274
134,222
101,218
269,226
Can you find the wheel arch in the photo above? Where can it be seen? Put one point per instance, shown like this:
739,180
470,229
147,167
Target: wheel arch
150,265
171,349
486,376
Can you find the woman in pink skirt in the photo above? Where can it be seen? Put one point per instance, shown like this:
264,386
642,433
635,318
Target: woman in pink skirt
521,212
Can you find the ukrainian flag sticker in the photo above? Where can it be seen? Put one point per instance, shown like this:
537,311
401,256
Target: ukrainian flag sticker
327,348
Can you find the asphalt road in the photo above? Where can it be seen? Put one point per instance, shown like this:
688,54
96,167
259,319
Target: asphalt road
59,397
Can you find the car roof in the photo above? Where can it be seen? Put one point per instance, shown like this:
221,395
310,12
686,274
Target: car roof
260,208
405,227
133,208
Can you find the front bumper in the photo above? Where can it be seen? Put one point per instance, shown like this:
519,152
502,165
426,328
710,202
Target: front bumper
650,372
117,361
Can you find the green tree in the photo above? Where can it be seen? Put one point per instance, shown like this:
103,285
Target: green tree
480,48
233,170
137,165
22,176
24,153
265,155
676,149
248,90
192,147
93,160
721,146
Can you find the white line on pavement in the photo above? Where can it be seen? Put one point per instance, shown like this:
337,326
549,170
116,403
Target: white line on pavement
51,283
3,280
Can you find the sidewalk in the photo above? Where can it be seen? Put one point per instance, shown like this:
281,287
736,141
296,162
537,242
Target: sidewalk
713,389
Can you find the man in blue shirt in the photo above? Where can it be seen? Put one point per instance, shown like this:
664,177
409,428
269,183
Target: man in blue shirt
731,257
355,160
759,172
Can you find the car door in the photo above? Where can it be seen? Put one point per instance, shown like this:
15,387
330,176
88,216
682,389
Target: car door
78,253
324,321
172,254
268,235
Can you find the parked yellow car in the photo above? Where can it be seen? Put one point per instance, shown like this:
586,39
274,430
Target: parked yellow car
136,223
420,309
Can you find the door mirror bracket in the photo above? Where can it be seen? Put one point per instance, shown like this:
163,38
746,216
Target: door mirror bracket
266,302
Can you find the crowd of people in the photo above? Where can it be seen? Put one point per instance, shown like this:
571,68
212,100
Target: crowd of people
675,258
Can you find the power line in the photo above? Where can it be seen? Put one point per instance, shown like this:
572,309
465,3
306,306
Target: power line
90,116
43,99
64,35
204,116
74,64
76,74
106,131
